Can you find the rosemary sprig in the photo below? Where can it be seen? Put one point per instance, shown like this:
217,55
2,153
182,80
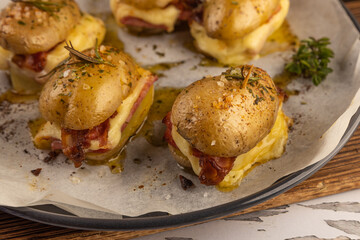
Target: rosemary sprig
230,75
48,7
312,59
97,59
82,59
247,77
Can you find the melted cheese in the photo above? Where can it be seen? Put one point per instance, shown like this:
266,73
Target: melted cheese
82,37
158,16
51,131
5,56
114,134
270,147
242,50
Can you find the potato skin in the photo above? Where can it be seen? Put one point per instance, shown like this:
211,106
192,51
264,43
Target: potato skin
25,29
220,118
81,96
180,158
227,19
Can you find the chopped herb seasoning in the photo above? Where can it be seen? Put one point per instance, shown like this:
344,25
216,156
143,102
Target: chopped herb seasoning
21,23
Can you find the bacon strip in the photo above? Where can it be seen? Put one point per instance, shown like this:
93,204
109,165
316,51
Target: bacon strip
75,141
188,8
137,22
213,169
35,62
167,136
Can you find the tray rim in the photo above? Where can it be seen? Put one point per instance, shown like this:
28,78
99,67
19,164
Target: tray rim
157,222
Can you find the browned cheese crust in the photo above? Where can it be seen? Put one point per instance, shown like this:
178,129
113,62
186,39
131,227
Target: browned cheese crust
26,29
221,117
81,96
227,19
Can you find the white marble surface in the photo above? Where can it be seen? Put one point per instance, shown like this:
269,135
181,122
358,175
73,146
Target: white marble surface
332,217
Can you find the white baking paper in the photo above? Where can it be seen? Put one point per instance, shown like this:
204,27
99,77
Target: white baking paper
321,115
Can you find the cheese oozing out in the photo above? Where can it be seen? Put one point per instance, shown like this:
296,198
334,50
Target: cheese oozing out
82,37
166,16
116,138
5,57
240,50
270,147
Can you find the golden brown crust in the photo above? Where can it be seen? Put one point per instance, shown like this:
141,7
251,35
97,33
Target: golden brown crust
220,117
81,96
25,29
227,19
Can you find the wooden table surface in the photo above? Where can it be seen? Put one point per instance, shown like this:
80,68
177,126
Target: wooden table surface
344,169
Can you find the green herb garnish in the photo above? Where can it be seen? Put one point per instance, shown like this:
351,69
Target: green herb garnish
312,59
233,74
97,59
48,7
80,58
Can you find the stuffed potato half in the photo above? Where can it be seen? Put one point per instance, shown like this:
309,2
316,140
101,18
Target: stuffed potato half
234,32
92,109
32,39
223,132
151,16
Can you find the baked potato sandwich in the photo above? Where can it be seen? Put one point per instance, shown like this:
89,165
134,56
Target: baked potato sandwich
33,35
234,32
223,126
93,103
151,16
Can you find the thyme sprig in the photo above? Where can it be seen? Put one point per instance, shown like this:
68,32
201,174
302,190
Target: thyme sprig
48,7
312,59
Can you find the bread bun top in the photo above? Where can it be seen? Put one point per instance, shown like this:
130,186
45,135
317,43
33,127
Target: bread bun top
223,115
27,29
227,19
83,95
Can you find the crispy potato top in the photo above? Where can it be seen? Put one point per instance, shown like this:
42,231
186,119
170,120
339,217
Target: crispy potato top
147,4
226,115
27,29
81,95
228,19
